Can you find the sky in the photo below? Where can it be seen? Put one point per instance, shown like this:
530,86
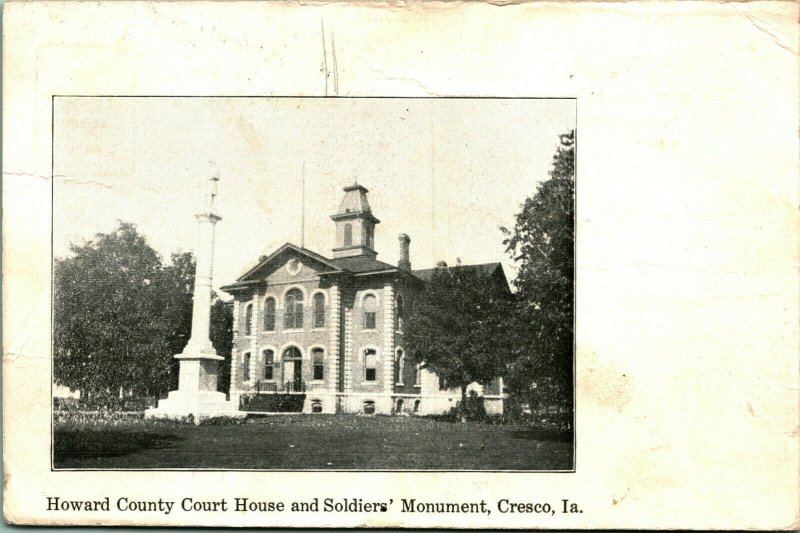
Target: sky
447,172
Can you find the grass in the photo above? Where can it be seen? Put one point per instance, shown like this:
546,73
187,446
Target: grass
316,442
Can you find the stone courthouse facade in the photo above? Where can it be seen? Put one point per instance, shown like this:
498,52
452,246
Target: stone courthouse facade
329,331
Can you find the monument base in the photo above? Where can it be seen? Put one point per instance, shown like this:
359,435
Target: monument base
200,404
197,393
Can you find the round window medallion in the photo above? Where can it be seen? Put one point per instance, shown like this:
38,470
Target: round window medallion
293,266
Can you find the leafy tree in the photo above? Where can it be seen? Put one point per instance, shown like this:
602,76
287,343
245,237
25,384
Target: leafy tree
458,326
109,332
222,339
120,316
542,242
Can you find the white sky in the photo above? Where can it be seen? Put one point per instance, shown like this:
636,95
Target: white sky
448,172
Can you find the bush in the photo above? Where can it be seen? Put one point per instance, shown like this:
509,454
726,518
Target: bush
105,403
221,421
272,403
475,411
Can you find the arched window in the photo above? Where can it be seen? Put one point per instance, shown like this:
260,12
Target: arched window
318,360
399,406
316,406
294,310
269,314
246,366
418,375
292,352
319,310
348,234
399,312
370,311
370,364
416,406
399,366
248,319
369,407
269,365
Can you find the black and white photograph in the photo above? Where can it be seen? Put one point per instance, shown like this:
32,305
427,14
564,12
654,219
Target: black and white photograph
297,283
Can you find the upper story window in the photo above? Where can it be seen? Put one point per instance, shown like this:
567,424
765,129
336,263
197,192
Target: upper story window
248,319
319,310
318,361
293,310
399,312
269,365
269,314
418,375
370,364
348,234
370,311
246,366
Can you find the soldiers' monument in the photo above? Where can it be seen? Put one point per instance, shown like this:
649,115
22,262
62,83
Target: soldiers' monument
197,393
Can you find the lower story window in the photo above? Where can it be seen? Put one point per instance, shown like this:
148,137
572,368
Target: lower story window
269,365
369,408
246,367
370,364
318,359
316,406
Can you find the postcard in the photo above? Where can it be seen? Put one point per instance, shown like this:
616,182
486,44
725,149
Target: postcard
464,265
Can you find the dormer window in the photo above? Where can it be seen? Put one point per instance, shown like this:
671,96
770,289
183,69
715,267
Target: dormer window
348,234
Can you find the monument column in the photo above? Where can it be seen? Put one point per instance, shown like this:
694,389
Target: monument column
197,393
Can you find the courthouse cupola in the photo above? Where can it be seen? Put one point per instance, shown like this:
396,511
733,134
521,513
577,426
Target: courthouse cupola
355,224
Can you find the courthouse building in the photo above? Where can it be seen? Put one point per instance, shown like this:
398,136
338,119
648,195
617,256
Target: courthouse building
327,332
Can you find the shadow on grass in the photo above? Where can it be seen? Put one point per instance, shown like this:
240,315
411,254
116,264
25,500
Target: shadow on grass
543,434
74,445
517,431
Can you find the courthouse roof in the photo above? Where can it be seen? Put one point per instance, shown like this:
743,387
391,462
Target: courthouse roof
491,269
355,204
360,264
355,265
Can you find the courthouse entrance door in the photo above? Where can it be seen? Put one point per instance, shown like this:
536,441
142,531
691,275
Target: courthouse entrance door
292,370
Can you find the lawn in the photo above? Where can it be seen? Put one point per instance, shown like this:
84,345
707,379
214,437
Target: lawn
316,442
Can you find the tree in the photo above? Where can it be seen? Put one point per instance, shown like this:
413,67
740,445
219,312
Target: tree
542,242
458,327
178,290
222,339
109,332
120,316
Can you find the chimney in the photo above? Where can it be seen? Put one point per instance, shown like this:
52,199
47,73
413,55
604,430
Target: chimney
404,263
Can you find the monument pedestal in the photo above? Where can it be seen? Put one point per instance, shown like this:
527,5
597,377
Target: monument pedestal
197,383
197,393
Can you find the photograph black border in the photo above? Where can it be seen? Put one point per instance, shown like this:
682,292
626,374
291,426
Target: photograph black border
278,470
